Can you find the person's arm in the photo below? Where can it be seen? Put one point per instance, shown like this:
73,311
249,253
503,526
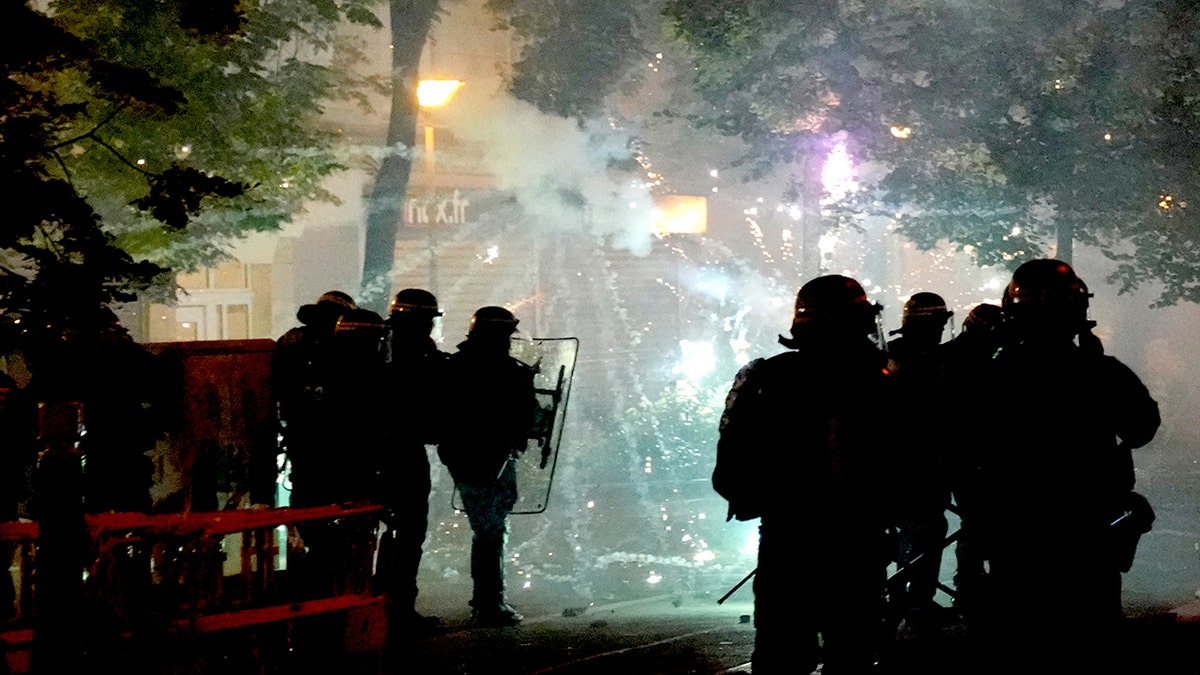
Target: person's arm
1135,412
737,445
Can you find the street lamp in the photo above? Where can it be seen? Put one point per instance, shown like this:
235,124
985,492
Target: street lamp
431,94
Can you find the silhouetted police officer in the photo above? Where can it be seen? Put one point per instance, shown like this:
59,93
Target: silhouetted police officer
489,418
921,441
976,343
799,448
90,358
87,363
1057,473
327,376
414,373
968,359
319,379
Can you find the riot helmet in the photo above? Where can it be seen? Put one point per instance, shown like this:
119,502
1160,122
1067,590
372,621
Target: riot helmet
337,298
925,305
983,318
363,337
1045,298
492,321
832,304
326,311
924,317
415,302
414,315
360,321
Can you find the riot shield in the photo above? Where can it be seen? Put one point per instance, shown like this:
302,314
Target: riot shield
553,361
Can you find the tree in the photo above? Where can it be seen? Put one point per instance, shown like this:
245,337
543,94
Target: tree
1009,130
145,137
572,54
251,79
411,21
57,260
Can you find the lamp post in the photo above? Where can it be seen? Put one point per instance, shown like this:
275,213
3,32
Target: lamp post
433,94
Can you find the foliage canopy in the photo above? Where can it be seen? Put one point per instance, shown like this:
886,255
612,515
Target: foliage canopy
143,137
1009,130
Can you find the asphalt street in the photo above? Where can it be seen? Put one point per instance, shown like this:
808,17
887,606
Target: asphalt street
664,635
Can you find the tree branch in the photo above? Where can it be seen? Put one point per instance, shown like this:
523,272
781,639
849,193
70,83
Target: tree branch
91,133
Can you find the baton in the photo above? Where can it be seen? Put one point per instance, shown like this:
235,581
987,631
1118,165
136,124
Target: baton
737,586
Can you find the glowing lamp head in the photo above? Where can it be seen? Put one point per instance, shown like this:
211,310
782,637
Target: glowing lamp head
433,93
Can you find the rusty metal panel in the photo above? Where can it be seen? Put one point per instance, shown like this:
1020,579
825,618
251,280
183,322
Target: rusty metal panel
220,449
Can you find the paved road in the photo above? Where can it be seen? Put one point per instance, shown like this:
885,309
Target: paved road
661,636
656,635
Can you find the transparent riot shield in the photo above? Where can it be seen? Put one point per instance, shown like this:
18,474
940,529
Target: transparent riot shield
553,360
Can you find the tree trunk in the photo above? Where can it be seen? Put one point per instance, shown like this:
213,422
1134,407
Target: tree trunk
811,226
410,24
1064,248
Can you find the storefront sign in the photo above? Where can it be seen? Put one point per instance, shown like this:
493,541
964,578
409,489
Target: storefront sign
436,210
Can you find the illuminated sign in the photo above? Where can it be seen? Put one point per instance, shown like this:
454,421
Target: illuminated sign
680,214
450,211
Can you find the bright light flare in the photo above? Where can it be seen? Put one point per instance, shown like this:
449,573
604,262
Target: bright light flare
679,214
697,359
750,547
837,174
901,132
827,244
433,93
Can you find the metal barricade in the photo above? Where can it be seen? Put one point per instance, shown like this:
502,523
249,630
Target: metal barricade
180,577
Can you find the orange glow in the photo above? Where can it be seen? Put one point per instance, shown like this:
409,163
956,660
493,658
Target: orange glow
432,93
680,214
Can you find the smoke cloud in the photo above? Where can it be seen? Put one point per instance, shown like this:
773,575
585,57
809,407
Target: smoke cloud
560,171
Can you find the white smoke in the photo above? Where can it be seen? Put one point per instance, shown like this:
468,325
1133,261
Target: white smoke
560,171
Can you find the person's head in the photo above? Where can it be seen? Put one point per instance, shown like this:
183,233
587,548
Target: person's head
1046,299
492,325
325,312
413,313
832,306
361,331
924,318
983,318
